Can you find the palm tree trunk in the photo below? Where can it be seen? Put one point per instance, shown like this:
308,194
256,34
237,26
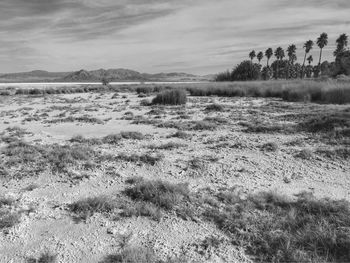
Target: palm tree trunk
319,62
302,71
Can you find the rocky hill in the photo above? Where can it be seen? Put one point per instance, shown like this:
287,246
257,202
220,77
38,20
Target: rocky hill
119,74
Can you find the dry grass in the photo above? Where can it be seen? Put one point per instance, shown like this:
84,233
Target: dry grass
171,97
162,194
273,228
332,92
43,258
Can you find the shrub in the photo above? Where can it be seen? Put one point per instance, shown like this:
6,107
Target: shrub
273,228
132,135
133,255
339,95
44,258
89,206
305,154
203,125
147,158
270,147
181,135
167,146
141,209
171,97
246,71
8,219
162,194
326,123
214,107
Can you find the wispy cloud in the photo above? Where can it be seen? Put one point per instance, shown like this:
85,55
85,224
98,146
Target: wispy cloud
199,36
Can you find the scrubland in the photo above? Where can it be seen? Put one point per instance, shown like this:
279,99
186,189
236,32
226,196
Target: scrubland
216,172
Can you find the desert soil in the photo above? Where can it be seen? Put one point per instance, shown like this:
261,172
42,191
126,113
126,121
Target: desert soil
228,156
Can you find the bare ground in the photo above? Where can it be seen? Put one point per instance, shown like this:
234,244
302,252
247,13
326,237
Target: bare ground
225,156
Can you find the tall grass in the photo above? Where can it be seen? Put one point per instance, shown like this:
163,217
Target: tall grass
332,92
171,97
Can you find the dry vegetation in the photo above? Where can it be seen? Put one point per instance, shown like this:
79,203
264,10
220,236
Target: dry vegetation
218,172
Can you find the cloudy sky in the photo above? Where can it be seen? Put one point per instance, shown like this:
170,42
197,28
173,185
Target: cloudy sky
195,36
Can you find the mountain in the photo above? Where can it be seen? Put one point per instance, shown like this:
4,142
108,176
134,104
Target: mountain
113,75
32,76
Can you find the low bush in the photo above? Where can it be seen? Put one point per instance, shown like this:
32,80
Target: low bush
181,135
305,154
273,228
171,97
133,255
167,146
215,107
89,206
162,194
43,258
147,158
270,147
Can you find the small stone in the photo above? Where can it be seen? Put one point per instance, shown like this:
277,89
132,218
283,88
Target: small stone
287,180
112,231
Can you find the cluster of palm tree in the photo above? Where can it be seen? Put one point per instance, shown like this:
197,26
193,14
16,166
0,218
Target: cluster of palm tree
289,66
286,65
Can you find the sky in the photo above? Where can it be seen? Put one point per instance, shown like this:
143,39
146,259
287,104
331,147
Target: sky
193,36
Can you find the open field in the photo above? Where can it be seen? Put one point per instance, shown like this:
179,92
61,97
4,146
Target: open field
104,175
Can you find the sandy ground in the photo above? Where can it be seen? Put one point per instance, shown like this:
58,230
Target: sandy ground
230,157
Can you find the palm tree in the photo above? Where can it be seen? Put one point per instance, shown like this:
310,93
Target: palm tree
279,54
260,56
252,55
307,46
291,50
310,59
342,43
322,41
268,54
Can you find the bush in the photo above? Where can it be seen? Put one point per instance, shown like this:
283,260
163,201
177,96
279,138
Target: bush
273,228
147,158
133,255
44,258
270,147
162,194
246,70
181,135
89,206
214,107
171,97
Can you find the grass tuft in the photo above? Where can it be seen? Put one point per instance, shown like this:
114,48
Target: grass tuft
274,228
162,194
171,97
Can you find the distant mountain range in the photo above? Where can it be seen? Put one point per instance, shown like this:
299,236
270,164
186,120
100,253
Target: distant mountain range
113,75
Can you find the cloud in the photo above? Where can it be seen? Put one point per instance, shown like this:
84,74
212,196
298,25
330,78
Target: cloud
202,36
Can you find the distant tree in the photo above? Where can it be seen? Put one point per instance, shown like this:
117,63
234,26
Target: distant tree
224,76
279,54
260,56
310,59
246,70
266,73
322,41
307,46
105,81
268,54
252,55
291,52
342,42
342,63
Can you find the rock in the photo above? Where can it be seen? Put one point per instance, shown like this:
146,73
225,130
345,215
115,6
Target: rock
287,179
112,231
